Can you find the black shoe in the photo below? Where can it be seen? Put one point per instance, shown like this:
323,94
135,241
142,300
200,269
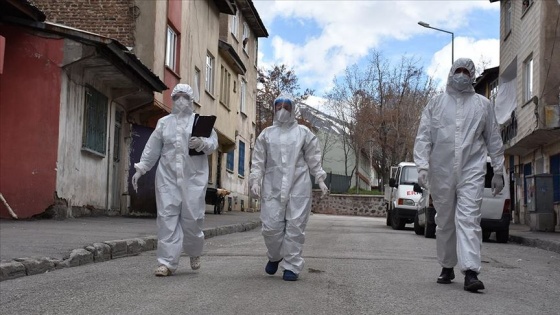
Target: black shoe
446,276
472,283
289,276
272,267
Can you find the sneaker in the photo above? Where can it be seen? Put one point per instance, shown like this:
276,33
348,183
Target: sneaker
162,271
472,283
195,263
289,275
272,267
446,276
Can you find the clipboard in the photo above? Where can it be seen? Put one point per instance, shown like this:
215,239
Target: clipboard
202,127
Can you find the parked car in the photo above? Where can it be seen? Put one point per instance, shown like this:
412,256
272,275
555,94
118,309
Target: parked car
400,197
496,212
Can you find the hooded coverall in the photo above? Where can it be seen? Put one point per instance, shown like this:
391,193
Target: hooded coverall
181,182
285,154
457,131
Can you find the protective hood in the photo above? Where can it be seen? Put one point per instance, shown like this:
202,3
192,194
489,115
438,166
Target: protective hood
460,82
182,105
284,110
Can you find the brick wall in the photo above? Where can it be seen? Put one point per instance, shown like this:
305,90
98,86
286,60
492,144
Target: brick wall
110,18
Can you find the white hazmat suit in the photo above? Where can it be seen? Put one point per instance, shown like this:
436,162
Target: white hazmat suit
285,154
458,129
181,180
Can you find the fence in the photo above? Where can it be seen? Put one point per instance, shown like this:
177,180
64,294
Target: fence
338,184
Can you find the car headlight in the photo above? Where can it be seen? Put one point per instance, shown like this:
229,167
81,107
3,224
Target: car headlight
406,202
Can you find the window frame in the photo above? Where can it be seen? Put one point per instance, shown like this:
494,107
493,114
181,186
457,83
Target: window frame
245,37
508,14
230,154
528,79
241,159
209,77
234,27
196,84
95,121
225,86
243,96
171,52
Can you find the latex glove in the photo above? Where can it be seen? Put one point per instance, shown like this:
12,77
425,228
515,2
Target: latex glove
324,189
196,143
423,178
256,190
497,184
135,178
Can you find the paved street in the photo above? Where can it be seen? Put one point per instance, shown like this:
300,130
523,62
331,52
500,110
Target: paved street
354,265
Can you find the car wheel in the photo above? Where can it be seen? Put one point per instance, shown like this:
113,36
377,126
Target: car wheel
396,222
388,215
430,230
486,235
417,228
502,236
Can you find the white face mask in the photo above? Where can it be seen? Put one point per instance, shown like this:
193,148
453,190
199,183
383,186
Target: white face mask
182,105
283,115
461,81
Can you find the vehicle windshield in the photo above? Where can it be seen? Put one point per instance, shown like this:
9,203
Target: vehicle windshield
409,175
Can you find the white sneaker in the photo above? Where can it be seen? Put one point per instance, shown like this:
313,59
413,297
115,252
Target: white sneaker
195,262
162,271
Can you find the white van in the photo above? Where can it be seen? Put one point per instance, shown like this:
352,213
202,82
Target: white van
496,212
400,197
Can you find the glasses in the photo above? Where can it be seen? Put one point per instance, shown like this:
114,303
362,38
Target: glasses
463,70
285,103
179,95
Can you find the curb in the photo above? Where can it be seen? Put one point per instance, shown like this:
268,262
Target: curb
99,252
535,242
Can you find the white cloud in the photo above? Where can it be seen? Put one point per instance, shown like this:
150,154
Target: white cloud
350,29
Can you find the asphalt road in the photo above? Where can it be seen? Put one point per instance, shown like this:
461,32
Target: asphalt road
354,265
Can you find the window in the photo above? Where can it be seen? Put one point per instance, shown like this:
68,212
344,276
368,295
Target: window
241,160
234,25
555,171
229,161
507,17
209,83
493,86
528,79
245,36
225,83
243,94
527,170
409,175
171,49
196,84
95,122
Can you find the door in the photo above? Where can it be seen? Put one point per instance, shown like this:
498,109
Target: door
116,165
143,202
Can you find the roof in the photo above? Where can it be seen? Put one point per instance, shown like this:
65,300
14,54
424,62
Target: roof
225,6
109,48
252,17
22,9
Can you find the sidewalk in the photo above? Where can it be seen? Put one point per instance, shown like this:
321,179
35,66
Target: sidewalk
37,246
521,234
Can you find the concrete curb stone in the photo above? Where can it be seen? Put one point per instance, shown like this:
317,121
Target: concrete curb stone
538,243
99,252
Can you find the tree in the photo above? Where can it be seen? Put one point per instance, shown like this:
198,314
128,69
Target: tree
381,105
272,82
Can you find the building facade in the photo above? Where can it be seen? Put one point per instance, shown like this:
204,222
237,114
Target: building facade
528,105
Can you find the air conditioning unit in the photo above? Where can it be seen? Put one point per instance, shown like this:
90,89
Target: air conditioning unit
552,116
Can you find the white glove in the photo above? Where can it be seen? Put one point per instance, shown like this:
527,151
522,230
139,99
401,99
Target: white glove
256,190
497,184
324,189
196,143
135,178
423,178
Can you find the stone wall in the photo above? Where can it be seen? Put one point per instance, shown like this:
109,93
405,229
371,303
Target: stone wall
360,205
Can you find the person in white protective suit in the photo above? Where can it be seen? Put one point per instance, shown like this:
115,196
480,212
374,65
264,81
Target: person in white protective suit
284,156
457,131
181,181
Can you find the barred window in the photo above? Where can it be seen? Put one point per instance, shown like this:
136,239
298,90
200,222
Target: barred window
241,160
94,135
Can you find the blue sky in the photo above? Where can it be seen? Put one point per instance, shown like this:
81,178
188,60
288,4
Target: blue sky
320,38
